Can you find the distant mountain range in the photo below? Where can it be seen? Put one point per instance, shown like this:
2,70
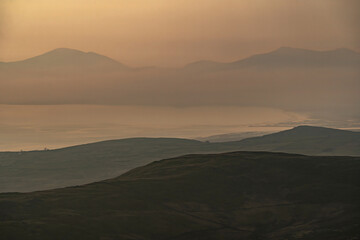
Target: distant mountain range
39,170
240,195
286,57
299,80
282,57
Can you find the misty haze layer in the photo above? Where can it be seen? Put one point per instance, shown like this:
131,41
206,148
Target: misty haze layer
291,79
203,98
30,127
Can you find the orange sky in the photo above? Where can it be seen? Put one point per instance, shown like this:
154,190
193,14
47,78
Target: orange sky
175,32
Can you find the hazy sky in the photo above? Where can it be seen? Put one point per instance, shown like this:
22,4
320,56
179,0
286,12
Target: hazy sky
175,32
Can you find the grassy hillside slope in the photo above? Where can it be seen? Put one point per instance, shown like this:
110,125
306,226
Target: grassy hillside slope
41,170
240,195
306,140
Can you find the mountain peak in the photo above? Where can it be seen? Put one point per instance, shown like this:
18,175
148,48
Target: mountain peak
66,50
316,130
297,57
59,53
67,57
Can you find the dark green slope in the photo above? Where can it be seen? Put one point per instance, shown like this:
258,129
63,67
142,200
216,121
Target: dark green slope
41,170
240,195
37,170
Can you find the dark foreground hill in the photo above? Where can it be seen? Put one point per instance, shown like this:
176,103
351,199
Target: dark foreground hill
41,170
240,195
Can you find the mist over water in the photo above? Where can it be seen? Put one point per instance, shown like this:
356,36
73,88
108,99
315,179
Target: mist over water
29,127
314,80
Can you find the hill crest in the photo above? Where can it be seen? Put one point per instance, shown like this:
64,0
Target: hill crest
67,58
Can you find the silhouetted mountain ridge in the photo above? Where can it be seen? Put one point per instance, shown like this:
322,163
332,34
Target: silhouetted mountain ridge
286,57
68,58
100,80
